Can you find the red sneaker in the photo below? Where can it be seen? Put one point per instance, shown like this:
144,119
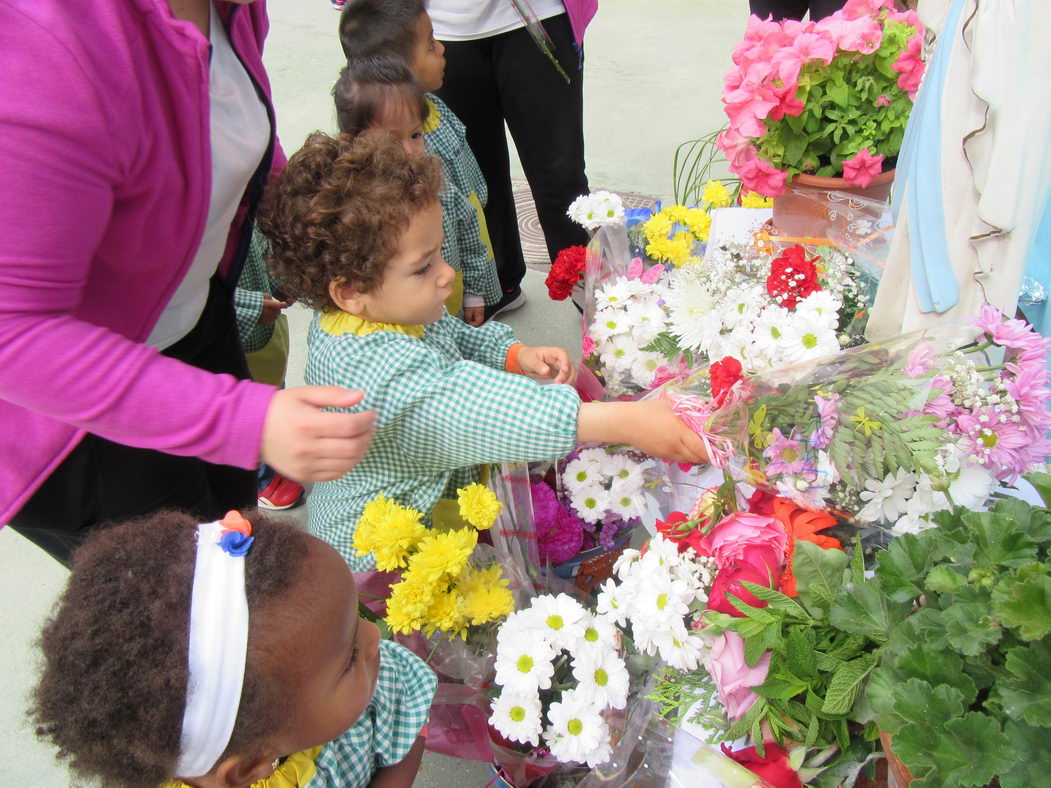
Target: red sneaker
281,493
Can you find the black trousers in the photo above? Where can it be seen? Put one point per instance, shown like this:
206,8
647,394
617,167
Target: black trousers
507,78
104,482
794,9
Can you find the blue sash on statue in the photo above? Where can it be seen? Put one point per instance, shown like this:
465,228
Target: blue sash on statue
919,172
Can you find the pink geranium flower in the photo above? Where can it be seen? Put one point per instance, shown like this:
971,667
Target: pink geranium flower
910,66
738,149
863,168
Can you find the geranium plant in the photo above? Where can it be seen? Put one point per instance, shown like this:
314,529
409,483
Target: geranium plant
828,98
964,682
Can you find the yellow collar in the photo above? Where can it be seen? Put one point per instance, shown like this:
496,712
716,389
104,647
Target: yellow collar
294,772
434,117
340,322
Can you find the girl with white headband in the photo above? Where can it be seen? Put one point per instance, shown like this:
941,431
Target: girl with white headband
223,655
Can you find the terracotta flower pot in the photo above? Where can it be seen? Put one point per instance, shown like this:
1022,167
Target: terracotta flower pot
803,213
902,775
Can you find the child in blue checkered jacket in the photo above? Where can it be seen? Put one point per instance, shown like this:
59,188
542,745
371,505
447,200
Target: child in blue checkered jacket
355,232
290,688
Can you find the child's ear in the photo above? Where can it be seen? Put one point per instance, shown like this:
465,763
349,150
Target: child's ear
346,296
239,771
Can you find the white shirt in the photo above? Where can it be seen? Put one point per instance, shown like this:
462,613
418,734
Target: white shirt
240,133
463,20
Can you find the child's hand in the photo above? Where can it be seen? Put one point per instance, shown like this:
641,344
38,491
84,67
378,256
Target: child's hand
650,426
473,315
308,444
271,310
543,363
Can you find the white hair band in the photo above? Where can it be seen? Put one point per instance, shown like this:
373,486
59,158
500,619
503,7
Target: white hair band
218,643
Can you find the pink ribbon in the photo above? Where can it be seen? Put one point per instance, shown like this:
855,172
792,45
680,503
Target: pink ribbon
696,413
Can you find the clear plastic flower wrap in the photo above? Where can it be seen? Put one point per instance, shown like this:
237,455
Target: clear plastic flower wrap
650,751
885,433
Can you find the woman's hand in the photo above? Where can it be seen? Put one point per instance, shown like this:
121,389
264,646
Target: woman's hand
309,444
547,363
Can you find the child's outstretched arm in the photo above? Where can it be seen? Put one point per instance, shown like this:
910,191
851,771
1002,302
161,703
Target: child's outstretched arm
544,363
650,426
403,773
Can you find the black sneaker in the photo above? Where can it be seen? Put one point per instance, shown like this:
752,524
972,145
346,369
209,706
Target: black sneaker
512,300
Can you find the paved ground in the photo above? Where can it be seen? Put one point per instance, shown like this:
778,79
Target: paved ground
653,75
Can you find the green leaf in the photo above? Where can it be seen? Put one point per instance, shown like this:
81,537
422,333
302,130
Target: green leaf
1032,756
968,628
1023,601
819,574
845,684
799,652
864,610
776,600
665,344
1042,483
965,751
782,686
945,580
935,667
914,701
902,566
925,626
857,562
1025,692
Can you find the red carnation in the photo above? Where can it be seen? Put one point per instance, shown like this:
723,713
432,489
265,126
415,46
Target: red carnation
724,374
792,277
566,271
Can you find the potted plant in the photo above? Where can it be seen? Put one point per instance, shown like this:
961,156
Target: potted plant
822,104
962,691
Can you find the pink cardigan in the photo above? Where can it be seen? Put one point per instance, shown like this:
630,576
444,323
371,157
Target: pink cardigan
106,178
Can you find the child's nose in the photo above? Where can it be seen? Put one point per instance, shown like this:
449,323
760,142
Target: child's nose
447,274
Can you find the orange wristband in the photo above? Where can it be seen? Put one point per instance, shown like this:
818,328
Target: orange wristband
511,362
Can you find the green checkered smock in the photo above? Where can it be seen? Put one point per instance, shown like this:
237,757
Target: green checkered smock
389,726
248,296
444,405
467,247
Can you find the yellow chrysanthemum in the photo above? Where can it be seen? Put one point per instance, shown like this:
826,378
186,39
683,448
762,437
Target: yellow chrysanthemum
755,200
408,602
677,250
672,232
487,604
445,553
402,532
478,505
472,579
447,614
716,194
370,532
657,227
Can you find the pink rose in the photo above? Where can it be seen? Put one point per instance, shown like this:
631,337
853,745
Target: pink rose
741,533
860,170
733,678
730,581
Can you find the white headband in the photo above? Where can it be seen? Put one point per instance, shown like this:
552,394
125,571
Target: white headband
218,644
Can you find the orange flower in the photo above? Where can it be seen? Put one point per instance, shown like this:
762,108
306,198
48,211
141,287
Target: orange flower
803,524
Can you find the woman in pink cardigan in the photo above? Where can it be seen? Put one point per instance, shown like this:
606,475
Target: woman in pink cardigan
135,140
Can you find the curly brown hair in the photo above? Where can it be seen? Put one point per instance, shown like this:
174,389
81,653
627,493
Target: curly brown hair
113,687
339,210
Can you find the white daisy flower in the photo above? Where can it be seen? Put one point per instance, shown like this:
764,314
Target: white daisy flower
644,368
661,600
590,503
581,473
559,618
599,634
524,662
615,295
649,319
607,324
661,553
618,352
614,601
887,499
576,731
691,313
768,330
687,654
602,678
655,637
803,340
820,308
625,504
741,306
598,209
518,716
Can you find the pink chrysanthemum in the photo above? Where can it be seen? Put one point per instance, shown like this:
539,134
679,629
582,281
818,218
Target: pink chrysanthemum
1015,334
1026,384
828,412
559,534
996,442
